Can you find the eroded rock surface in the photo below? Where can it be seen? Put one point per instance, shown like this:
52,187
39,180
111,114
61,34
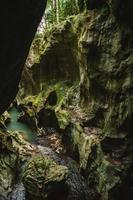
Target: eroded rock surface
97,114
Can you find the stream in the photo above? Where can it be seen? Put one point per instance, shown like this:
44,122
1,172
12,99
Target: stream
24,129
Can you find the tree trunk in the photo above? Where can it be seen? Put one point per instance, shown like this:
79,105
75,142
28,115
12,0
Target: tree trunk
57,11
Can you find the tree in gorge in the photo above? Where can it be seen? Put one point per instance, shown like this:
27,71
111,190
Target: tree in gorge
58,10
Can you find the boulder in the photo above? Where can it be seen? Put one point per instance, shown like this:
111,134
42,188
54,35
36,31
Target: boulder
42,176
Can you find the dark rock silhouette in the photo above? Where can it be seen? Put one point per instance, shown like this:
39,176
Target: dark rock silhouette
18,23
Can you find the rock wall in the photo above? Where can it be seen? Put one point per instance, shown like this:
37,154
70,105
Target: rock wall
19,21
100,43
57,62
94,48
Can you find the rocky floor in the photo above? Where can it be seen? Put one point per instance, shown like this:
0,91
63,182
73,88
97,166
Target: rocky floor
48,150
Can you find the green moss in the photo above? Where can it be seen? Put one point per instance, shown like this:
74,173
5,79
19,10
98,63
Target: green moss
42,173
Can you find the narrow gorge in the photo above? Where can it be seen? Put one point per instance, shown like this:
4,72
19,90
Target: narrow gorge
66,100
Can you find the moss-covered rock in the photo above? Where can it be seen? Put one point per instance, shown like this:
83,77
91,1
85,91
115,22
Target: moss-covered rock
4,120
80,141
93,50
42,175
14,152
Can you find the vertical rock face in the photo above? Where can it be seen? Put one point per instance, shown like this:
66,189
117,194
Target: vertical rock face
100,43
18,23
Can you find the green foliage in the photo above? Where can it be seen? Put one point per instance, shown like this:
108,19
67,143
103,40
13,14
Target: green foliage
59,10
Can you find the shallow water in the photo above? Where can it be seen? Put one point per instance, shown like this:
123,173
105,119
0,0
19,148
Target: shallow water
24,129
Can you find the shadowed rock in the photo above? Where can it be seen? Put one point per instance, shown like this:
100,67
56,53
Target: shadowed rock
18,23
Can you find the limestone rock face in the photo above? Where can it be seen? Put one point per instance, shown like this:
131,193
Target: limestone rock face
57,61
102,41
19,21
